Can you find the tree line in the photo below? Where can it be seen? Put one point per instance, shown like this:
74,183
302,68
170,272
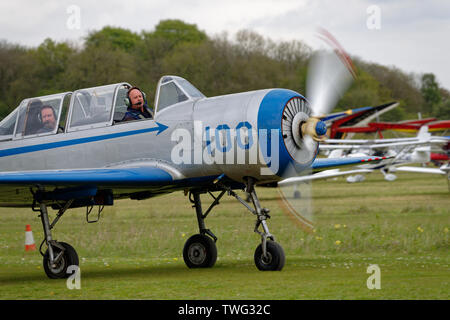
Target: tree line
215,65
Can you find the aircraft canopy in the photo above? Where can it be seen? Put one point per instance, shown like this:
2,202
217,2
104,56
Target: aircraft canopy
173,90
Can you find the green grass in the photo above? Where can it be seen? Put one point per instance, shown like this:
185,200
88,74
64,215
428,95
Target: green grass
135,251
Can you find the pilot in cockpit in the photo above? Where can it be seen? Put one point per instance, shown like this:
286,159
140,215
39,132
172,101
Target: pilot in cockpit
137,105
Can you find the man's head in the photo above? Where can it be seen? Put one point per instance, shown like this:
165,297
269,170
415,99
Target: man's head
137,99
48,117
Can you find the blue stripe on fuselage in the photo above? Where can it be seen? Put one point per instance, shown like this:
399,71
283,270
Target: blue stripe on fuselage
60,144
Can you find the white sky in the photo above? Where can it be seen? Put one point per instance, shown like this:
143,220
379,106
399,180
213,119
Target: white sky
413,35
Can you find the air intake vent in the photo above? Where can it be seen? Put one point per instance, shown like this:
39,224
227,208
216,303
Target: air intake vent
295,113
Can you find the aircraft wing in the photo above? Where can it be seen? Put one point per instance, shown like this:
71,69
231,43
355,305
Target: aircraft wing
368,141
334,116
321,164
421,170
103,177
382,145
140,182
321,175
325,168
356,119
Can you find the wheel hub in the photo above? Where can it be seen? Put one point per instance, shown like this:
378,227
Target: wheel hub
197,253
267,259
58,266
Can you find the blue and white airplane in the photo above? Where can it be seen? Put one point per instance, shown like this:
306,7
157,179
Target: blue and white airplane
192,143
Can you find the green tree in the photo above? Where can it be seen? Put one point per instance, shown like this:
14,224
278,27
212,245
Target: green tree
442,110
52,60
158,44
17,80
100,65
400,86
430,91
177,32
216,66
364,91
117,38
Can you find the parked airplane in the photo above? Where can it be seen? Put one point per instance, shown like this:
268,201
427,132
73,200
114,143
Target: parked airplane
390,156
401,150
354,119
192,143
434,125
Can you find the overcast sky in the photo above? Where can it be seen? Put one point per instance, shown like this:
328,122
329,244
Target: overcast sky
412,35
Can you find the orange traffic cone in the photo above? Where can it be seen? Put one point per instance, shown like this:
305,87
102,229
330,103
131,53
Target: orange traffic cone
29,240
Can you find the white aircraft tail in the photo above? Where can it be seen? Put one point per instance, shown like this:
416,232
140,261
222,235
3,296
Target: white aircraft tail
336,153
423,133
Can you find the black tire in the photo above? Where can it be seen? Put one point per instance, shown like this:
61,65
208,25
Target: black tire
69,258
200,251
275,260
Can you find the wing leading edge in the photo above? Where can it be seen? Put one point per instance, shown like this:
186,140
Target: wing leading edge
102,177
320,164
327,168
19,189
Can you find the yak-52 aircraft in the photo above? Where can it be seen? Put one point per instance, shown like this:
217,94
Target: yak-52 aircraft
192,143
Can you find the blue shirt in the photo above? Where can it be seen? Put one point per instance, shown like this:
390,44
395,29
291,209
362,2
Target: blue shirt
134,114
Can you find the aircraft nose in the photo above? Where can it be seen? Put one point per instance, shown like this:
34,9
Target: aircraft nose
321,128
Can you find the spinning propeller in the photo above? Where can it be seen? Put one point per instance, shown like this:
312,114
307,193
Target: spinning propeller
330,73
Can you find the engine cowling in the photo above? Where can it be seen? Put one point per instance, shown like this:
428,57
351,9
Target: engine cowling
289,113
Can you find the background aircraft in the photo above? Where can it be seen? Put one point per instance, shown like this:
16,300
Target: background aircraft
401,150
354,119
389,156
338,131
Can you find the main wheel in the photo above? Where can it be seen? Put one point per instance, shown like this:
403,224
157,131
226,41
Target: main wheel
69,258
274,261
200,251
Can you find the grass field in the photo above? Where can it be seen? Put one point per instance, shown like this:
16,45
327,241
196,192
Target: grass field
135,251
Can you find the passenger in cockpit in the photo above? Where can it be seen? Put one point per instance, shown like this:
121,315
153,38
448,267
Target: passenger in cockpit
47,118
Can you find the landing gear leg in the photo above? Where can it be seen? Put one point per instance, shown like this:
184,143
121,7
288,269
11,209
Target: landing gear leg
269,255
59,256
200,250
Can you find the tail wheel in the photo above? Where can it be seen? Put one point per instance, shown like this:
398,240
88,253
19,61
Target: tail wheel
59,269
274,259
200,251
